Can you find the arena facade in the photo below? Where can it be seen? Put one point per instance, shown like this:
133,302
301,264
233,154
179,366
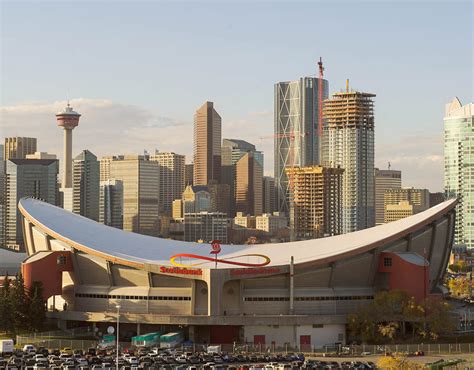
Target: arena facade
297,293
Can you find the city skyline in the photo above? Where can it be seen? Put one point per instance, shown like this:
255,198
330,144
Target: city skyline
151,105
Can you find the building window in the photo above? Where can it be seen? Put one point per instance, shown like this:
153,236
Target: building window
387,262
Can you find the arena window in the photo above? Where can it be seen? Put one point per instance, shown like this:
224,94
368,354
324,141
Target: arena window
127,297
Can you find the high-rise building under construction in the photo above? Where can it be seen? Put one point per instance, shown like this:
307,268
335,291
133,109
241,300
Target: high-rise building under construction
315,204
297,142
348,142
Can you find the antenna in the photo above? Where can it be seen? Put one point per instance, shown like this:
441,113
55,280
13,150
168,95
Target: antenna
389,165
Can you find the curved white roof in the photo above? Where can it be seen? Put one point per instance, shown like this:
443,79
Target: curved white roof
136,250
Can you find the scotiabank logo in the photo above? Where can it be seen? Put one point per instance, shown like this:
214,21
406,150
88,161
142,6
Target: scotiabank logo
258,271
180,271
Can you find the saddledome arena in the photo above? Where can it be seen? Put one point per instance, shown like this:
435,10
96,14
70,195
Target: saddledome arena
296,293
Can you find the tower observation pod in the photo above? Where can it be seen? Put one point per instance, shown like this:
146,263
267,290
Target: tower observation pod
68,119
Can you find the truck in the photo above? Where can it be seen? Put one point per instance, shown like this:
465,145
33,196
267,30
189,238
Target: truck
171,340
146,340
6,346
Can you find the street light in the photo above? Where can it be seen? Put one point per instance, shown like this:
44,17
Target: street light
117,354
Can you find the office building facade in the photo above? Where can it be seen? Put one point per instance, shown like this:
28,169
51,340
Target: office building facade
268,194
348,143
459,167
36,178
205,227
111,203
207,145
248,185
105,166
18,147
172,178
296,139
140,179
418,198
85,184
196,199
384,180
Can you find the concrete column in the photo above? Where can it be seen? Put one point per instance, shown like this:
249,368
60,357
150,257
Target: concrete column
138,328
192,333
67,165
215,283
193,297
292,286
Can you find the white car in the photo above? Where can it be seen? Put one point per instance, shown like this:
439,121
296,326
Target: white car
133,361
82,362
29,348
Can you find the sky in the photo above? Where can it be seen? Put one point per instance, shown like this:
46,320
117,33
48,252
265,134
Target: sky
137,71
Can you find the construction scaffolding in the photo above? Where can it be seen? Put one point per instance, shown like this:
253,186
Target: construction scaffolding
350,109
316,202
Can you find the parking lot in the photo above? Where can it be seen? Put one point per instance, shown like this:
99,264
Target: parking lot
31,357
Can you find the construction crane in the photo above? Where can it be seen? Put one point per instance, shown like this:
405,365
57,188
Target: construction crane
320,97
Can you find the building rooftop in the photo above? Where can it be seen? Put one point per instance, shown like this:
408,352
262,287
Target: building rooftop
138,250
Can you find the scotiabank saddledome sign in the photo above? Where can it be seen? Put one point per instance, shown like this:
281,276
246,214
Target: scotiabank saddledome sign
193,260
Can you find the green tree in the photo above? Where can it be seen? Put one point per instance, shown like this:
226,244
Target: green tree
5,306
19,304
37,306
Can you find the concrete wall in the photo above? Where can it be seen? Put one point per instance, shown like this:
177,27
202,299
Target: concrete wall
279,335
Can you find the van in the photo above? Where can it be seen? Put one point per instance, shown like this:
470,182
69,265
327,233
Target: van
6,347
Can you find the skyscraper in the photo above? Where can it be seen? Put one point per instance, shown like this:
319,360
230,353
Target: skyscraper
27,177
315,202
268,194
205,227
232,151
296,130
196,198
68,119
384,180
207,145
111,203
459,167
348,142
85,185
105,165
418,198
2,196
18,147
140,179
188,174
172,169
248,184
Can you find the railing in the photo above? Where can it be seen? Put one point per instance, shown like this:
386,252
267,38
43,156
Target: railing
42,339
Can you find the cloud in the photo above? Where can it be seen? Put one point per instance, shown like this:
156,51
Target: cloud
420,158
105,128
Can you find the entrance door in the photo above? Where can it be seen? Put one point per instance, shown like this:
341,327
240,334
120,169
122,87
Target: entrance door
259,339
305,342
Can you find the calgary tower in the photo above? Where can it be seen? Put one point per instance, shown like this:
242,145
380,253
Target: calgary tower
68,119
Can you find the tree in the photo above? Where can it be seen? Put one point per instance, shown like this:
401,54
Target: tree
397,362
19,303
5,306
388,330
37,307
459,286
391,311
